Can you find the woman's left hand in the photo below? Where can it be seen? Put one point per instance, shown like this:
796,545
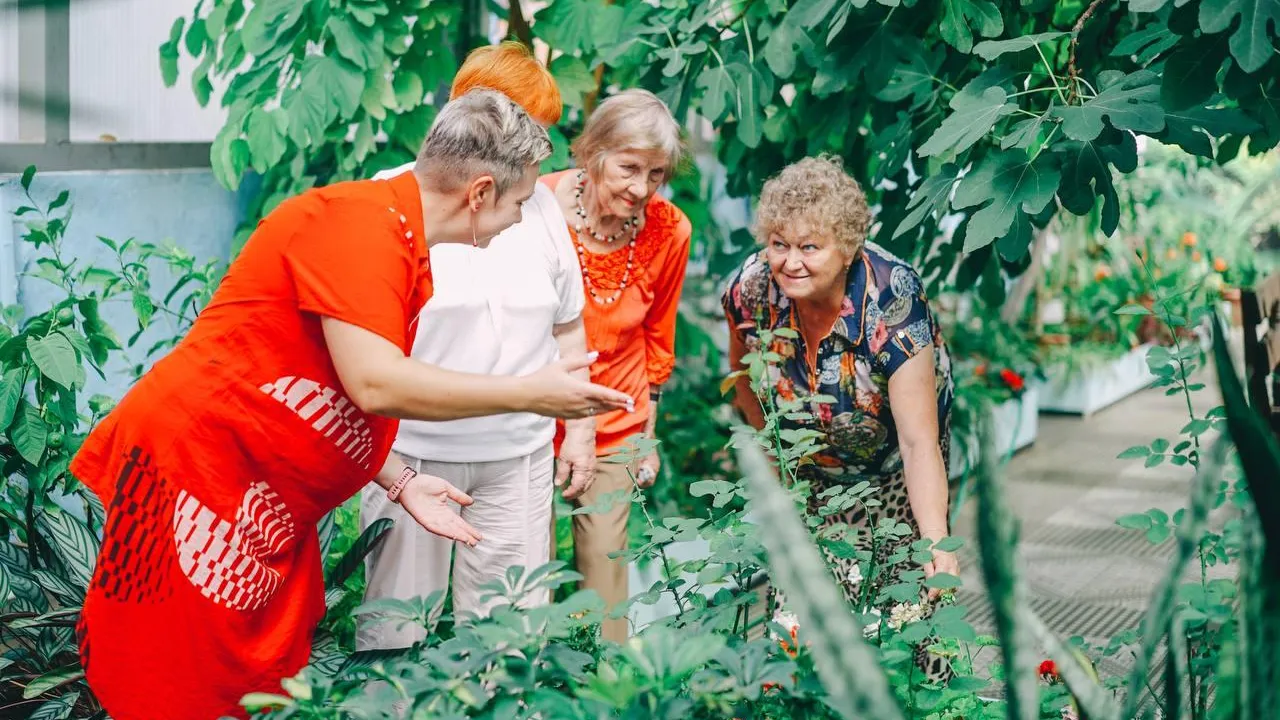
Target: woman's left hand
648,470
426,498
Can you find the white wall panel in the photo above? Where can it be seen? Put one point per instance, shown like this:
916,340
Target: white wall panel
116,87
8,72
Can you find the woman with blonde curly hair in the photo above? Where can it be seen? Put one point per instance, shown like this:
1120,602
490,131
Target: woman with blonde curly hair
861,333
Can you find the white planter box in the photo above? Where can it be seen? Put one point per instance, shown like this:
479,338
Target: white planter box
1016,424
1095,388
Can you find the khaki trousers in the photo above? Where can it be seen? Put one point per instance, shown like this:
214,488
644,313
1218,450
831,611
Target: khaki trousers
596,535
512,502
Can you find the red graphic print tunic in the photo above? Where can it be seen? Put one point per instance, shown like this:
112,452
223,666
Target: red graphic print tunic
217,465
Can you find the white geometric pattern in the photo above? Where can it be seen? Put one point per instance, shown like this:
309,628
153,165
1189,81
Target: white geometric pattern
335,416
225,559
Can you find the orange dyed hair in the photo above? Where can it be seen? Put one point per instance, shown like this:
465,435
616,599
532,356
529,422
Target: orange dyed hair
511,69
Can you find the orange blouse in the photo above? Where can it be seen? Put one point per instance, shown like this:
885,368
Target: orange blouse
636,334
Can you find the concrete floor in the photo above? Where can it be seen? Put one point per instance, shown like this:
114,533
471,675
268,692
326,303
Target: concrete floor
1085,575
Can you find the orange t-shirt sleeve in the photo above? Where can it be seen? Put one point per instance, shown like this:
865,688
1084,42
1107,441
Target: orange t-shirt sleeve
660,322
352,262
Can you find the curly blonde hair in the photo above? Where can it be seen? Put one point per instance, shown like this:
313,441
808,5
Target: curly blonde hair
816,192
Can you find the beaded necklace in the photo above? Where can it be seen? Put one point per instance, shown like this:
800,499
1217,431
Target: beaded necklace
582,224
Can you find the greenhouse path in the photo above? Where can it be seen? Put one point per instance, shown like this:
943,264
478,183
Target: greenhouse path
1086,575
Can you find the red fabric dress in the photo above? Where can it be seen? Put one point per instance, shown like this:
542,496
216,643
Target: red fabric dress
218,463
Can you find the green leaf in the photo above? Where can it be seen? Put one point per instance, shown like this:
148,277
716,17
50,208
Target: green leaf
363,46
1005,184
752,88
1250,44
1194,129
52,681
1133,310
576,25
786,42
56,359
27,176
1128,102
330,87
75,544
718,92
975,113
59,201
575,79
1158,534
1086,174
197,37
1148,43
1135,452
991,49
962,18
268,23
1024,133
929,199
59,708
369,540
1135,521
408,89
942,581
1190,74
29,433
169,53
266,135
229,155
915,76
410,129
11,393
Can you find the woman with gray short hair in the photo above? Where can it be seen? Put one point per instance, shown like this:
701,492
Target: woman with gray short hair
280,403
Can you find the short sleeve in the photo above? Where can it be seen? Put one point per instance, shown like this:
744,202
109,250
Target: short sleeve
568,273
905,324
352,262
743,296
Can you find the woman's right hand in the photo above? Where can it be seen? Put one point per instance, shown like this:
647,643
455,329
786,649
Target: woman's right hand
553,391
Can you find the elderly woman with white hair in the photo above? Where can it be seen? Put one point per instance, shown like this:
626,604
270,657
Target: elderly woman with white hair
280,403
633,248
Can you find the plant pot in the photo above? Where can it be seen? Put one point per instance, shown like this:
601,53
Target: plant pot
1098,387
1015,425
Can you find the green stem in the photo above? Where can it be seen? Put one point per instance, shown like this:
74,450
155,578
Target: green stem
1052,77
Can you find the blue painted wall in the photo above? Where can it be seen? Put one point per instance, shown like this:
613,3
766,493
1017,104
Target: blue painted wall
184,207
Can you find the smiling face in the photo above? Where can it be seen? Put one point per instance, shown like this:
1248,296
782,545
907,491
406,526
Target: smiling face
807,265
493,214
627,179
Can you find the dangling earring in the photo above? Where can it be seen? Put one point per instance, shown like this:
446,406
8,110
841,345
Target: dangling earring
474,242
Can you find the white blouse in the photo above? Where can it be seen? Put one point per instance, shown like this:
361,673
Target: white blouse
492,313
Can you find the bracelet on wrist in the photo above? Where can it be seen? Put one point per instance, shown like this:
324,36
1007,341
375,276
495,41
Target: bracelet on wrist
393,493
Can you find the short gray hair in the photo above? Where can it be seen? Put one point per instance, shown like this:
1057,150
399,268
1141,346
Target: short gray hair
631,120
482,132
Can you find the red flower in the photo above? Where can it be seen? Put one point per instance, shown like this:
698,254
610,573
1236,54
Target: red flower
1049,671
1013,380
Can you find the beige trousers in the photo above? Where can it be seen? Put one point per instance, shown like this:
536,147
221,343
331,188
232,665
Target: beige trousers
596,535
511,509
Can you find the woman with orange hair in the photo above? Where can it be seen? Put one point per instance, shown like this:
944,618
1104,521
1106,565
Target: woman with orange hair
506,310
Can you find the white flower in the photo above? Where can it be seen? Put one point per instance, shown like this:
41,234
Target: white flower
788,621
904,613
872,629
854,578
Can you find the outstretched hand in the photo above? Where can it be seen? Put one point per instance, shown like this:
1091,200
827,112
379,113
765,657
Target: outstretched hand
426,498
555,392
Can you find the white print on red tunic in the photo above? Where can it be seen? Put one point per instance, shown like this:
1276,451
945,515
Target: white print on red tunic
341,422
224,560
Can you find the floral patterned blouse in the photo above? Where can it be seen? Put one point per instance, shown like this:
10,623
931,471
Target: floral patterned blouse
885,321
